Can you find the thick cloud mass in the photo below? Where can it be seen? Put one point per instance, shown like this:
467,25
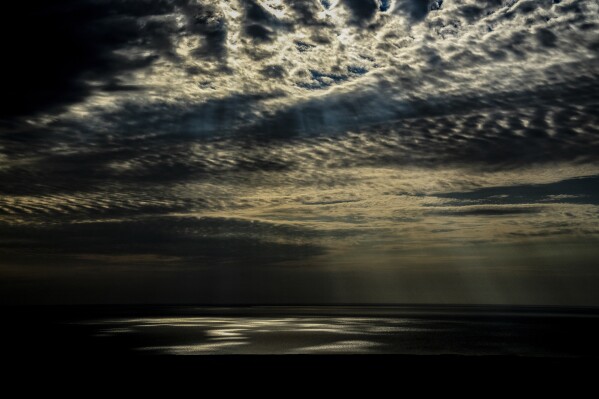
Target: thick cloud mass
347,142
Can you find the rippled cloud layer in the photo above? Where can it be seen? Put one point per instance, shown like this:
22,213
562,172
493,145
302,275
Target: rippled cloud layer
350,150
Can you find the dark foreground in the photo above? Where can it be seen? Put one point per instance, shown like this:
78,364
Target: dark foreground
477,339
438,347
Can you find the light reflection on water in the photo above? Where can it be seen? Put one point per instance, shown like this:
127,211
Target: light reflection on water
303,335
328,330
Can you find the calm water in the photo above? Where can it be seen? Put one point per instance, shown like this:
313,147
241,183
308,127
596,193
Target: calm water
518,331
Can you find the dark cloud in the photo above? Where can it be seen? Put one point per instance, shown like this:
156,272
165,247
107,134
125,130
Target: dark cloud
259,24
544,234
259,33
76,42
471,12
330,202
362,10
274,71
416,10
209,24
583,190
486,211
546,38
188,242
116,85
307,13
256,13
71,42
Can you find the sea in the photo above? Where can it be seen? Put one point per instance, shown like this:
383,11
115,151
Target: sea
424,330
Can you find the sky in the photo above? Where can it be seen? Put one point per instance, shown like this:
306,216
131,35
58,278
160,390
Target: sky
308,152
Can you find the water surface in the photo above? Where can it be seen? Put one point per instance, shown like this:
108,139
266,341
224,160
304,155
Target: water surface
414,330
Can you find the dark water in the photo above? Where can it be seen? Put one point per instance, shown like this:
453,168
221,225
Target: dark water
416,330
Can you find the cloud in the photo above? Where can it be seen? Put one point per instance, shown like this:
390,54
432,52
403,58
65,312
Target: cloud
486,211
362,11
209,23
183,241
74,43
207,37
159,131
417,10
581,190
